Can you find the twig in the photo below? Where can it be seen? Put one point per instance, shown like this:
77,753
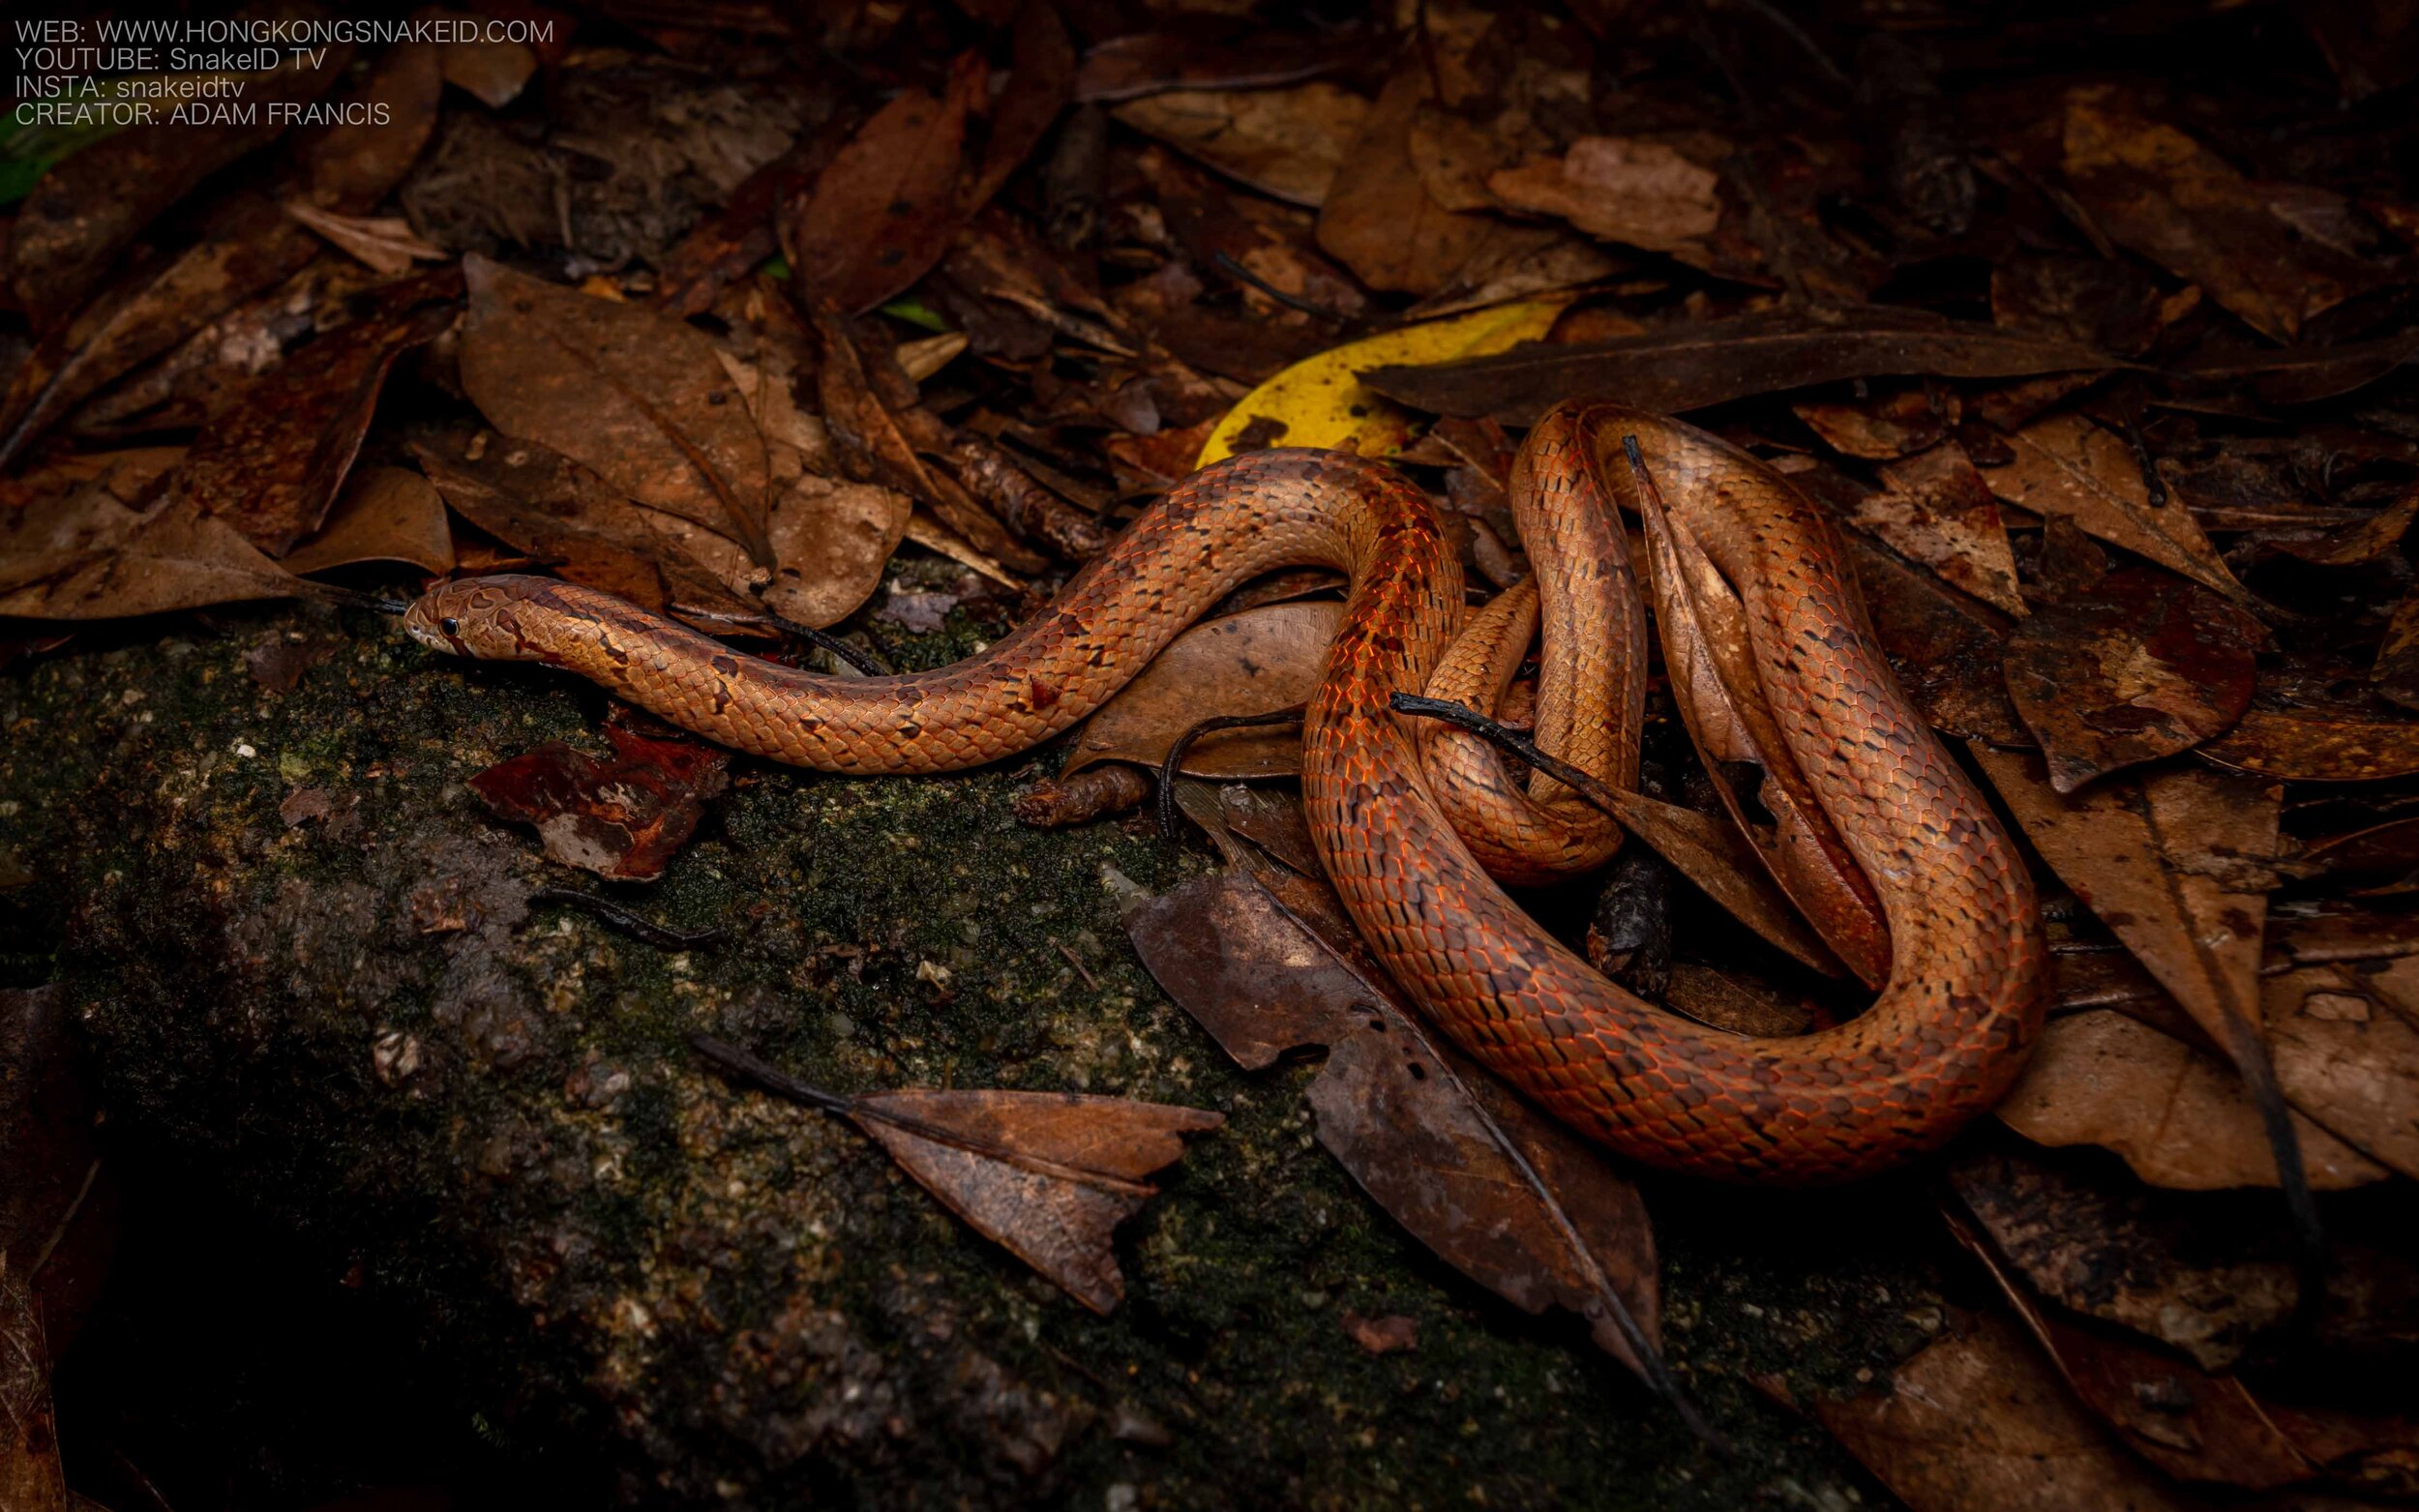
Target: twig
354,598
1227,265
744,1067
824,639
1090,980
645,930
1511,741
1168,768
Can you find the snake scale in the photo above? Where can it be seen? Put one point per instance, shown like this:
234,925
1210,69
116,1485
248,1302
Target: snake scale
1963,962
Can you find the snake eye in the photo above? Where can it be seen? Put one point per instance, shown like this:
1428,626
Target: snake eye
451,627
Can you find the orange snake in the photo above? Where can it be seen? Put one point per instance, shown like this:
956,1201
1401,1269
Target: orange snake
1877,827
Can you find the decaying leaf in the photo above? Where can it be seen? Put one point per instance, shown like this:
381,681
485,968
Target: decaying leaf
557,511
2177,861
1689,366
382,244
1944,646
384,515
1258,662
635,395
1513,1200
1322,400
83,555
1048,1175
2067,466
883,211
1287,143
2314,748
1937,511
1979,1422
1379,220
2140,665
2179,1117
623,817
2345,1041
1894,421
1641,192
2173,1268
270,466
2191,1424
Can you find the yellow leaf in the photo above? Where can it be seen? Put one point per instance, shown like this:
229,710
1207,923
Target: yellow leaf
1318,401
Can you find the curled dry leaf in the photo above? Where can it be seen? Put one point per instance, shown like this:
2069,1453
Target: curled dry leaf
1258,662
83,555
2179,1117
384,515
270,465
622,816
1979,1422
1691,366
1048,1175
1286,142
881,214
630,393
382,244
2067,466
2140,665
1513,1200
2317,748
1639,192
1937,511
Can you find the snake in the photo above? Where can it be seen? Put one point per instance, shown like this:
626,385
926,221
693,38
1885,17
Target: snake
1962,996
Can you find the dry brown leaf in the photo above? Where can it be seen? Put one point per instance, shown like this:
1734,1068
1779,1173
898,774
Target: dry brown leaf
1048,1175
83,555
1642,193
2317,748
2180,1118
382,244
541,502
2140,665
1258,662
1041,81
2346,1042
1979,1422
2166,197
636,397
2193,1424
386,118
1287,143
622,816
384,515
1937,511
2091,1239
1945,646
1378,219
1889,424
2067,466
883,211
271,464
2177,861
1514,1200
1689,365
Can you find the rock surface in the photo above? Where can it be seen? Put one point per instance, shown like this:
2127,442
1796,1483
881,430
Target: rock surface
310,963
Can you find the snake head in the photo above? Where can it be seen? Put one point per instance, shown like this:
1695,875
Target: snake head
474,616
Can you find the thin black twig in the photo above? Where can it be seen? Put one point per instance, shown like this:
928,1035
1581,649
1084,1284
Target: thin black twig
1185,742
1511,742
744,1067
841,650
1309,307
645,930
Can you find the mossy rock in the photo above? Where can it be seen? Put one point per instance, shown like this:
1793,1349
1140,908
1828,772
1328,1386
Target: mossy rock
361,1024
